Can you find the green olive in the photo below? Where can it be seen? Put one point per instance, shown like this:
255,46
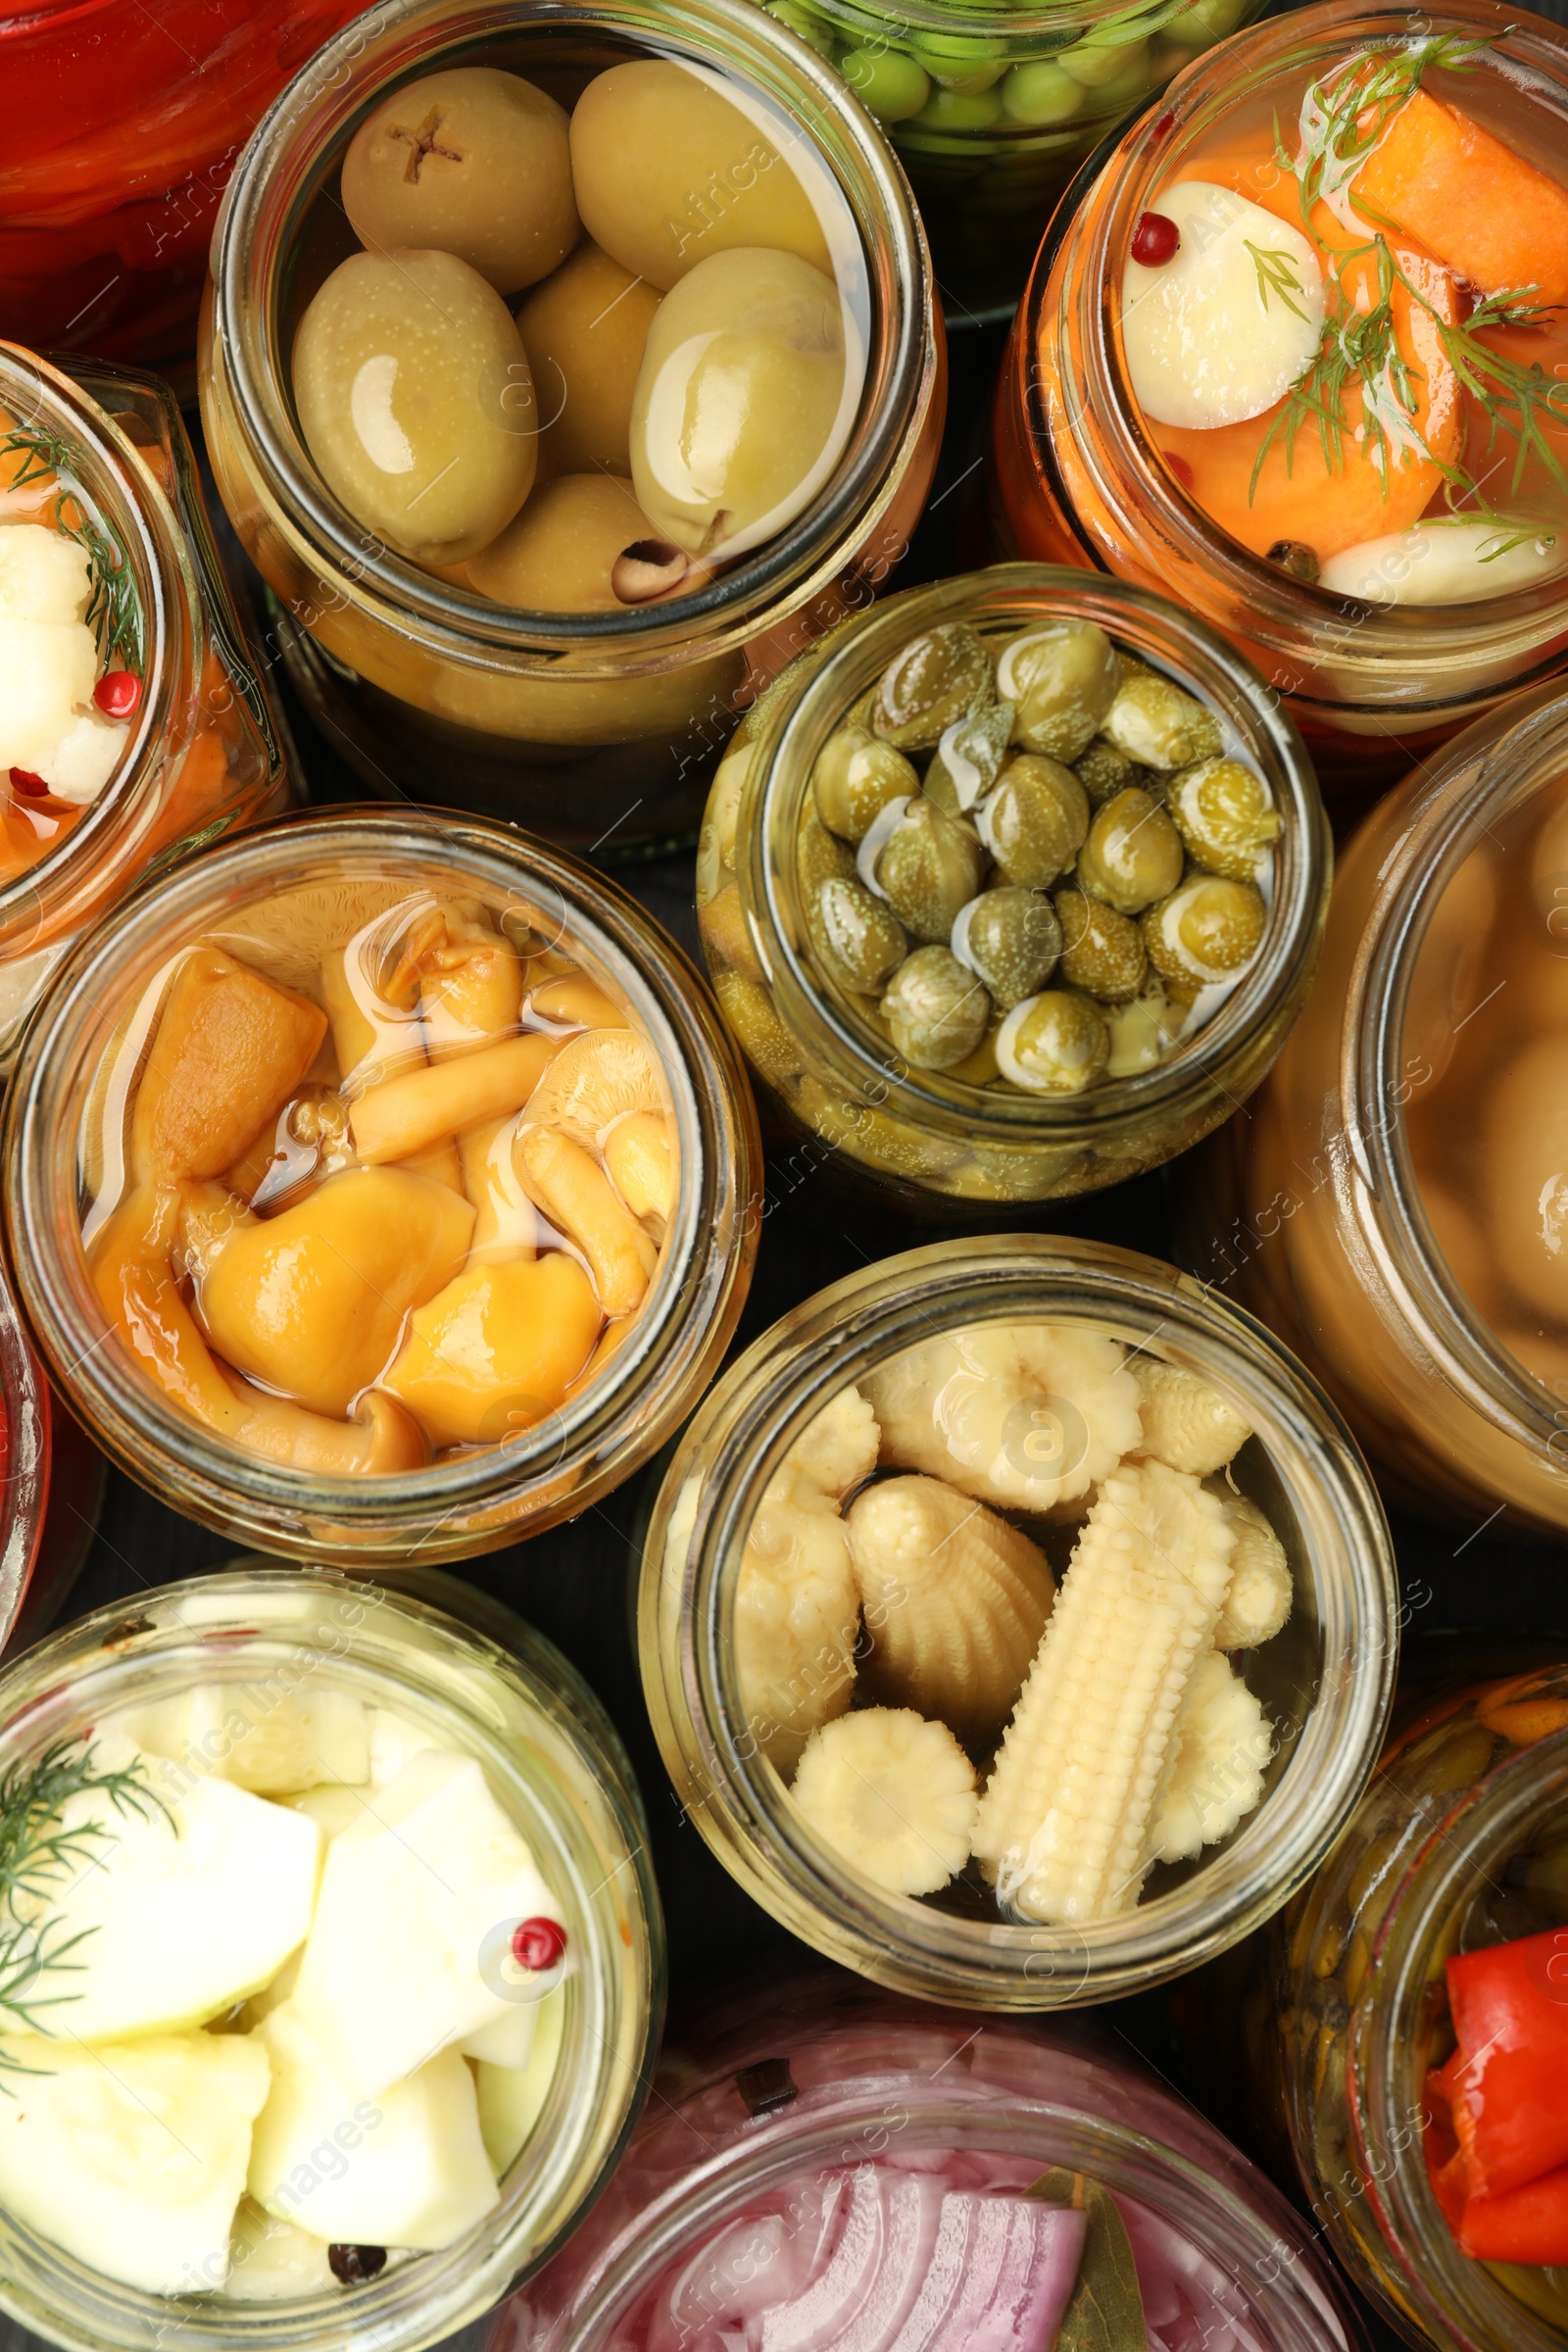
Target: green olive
1152,720
1062,680
858,937
1101,951
1205,932
670,171
584,330
937,1011
1133,854
416,401
855,777
1055,1043
737,412
470,161
925,865
1141,1033
930,682
1012,939
558,553
968,759
1224,814
1034,821
1103,771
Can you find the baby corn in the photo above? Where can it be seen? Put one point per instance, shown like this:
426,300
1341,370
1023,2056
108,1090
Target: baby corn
1065,1819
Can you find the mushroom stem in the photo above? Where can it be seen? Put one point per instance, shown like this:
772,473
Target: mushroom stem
403,1116
576,1195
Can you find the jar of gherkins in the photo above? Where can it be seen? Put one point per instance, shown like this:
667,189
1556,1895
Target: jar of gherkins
1011,889
1398,2017
994,109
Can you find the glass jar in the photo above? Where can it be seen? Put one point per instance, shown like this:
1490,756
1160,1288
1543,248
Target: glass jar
1077,479
206,755
993,112
931,1139
1324,1682
555,1767
1313,1214
51,1484
123,133
1344,2008
598,729
475,1497
820,2071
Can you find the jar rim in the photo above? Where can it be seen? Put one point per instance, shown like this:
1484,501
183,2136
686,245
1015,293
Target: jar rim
276,179
1279,611
736,1442
801,714
599,1436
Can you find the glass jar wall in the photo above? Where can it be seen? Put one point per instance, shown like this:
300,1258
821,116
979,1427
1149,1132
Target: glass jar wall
1359,1212
858,1087
128,682
272,1678
767,2109
598,724
51,1486
200,1113
1372,668
820,1715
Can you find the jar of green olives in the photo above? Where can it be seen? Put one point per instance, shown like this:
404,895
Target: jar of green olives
565,371
1011,889
992,109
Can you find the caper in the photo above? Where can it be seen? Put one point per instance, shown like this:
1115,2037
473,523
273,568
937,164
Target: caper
1063,680
1152,720
929,683
1133,854
936,1009
968,759
861,940
1011,938
855,777
1141,1033
1223,812
1101,951
1055,1043
820,856
1102,771
1205,932
925,867
1034,821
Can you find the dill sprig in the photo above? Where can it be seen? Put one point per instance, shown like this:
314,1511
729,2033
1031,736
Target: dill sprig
1340,125
36,1852
1276,274
114,608
41,453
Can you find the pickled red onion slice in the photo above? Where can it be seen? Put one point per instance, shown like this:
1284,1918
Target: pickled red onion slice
816,2318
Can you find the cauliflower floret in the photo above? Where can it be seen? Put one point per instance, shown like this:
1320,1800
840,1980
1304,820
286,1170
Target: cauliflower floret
839,1448
1027,1415
49,666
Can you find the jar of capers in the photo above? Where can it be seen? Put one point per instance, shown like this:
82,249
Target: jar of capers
1013,888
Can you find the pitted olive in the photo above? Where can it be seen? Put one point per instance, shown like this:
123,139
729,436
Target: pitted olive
930,682
1101,951
585,331
855,777
1222,810
1103,771
1034,821
1063,680
1012,939
1152,720
858,936
924,865
560,554
1133,854
1205,932
937,1011
969,757
1055,1043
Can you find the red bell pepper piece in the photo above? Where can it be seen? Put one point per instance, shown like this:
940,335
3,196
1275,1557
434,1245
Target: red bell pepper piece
1445,2168
1528,2224
1509,2095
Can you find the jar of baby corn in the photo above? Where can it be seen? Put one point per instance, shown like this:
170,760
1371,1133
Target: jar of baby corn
380,1186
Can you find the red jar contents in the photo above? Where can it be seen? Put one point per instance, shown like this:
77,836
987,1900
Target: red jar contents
121,127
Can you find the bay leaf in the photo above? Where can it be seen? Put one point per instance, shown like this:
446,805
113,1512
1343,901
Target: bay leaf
1105,2310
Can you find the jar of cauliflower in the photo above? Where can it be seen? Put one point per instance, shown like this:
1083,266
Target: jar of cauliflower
1018,1622
365,1964
380,1187
131,722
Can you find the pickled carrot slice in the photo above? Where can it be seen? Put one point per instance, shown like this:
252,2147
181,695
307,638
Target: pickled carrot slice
1491,217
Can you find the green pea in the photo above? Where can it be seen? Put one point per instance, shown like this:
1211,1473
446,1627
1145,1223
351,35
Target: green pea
1204,23
1114,97
1095,63
889,85
960,110
968,67
1040,95
810,28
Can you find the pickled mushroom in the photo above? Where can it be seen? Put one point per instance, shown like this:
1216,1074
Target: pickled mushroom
228,1050
494,1353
